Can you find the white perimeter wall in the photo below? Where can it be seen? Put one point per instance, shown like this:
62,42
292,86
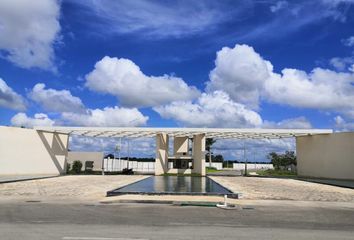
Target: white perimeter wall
252,166
95,157
26,151
113,165
216,165
326,156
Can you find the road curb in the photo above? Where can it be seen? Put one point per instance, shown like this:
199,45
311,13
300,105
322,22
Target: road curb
170,202
28,179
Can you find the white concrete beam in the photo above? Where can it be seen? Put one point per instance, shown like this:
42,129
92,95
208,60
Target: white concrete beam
161,161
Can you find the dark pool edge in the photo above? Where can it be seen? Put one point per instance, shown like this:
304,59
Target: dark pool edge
127,185
222,186
114,192
229,195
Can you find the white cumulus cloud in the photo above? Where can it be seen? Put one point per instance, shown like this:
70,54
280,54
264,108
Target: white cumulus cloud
124,79
39,119
247,78
9,98
28,31
240,72
56,100
214,109
106,117
294,123
342,63
256,149
321,89
138,147
342,125
349,41
278,6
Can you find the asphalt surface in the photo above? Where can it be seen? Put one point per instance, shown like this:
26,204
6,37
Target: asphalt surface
36,221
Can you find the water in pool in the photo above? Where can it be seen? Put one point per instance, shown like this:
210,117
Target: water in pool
175,185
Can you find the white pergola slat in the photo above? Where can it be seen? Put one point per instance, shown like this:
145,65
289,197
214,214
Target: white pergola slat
222,133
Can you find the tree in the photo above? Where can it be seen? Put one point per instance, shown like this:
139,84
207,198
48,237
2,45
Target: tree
282,160
208,143
290,158
219,158
68,167
275,160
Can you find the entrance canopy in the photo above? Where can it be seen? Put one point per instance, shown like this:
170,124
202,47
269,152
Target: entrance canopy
218,133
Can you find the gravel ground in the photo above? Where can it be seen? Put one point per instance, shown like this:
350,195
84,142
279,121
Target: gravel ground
256,188
66,187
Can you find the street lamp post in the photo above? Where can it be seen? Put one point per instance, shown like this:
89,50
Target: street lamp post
128,155
244,156
117,149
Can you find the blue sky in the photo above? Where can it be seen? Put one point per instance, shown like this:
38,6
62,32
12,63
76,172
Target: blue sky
278,64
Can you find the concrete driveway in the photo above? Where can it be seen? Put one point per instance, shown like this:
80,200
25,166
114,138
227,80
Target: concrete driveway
69,188
257,188
93,188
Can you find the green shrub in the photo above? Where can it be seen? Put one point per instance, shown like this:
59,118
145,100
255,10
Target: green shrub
211,169
77,165
276,173
68,167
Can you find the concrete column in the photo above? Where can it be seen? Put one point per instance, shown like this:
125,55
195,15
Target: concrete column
199,154
180,146
161,161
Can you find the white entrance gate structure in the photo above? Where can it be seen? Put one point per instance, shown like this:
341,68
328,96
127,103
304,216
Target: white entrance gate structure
185,139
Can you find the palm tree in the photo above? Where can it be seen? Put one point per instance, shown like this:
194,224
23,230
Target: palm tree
208,143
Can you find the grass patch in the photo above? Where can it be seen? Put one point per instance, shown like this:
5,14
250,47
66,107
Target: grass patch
181,174
211,170
92,173
276,173
71,172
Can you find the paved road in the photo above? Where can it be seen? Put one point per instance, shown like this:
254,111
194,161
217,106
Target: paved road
36,221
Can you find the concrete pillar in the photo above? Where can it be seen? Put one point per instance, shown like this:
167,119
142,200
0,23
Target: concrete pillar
199,154
180,146
161,161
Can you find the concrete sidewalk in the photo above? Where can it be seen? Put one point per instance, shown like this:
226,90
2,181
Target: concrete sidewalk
210,200
18,178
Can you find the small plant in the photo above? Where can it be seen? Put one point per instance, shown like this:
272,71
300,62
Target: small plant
276,173
211,170
77,165
68,167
